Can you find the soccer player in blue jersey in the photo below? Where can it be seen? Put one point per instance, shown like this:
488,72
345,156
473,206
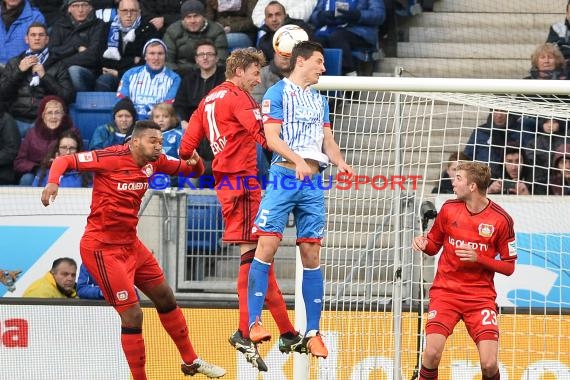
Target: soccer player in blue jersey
297,128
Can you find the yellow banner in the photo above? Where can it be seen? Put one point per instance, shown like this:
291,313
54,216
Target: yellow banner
361,346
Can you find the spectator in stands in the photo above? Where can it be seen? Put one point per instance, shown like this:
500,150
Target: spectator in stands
161,13
59,282
151,83
487,142
445,185
199,81
32,75
182,36
52,121
9,145
296,9
128,33
87,288
235,17
15,18
547,62
165,116
348,25
275,18
67,143
270,74
551,134
560,178
50,9
78,40
559,34
517,174
114,133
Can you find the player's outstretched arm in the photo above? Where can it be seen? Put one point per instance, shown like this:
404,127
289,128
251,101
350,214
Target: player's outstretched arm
49,193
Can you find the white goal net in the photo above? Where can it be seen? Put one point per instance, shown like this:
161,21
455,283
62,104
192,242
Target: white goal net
399,134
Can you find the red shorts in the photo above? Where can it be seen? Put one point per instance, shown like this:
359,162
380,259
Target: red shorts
119,268
480,317
239,207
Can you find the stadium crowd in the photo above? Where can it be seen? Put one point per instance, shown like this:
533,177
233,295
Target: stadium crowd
151,52
174,52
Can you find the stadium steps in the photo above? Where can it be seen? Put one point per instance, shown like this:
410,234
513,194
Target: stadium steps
458,68
477,35
473,39
509,21
485,6
461,50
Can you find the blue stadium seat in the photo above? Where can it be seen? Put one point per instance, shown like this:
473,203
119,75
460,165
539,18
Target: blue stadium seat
333,61
92,109
367,55
204,231
205,225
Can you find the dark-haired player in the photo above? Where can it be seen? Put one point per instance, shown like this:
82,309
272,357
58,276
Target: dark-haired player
111,250
297,127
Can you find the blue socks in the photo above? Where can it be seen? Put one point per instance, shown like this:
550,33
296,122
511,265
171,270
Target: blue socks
313,290
257,289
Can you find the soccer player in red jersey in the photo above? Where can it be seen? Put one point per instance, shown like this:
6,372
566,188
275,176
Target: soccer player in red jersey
472,230
111,250
231,120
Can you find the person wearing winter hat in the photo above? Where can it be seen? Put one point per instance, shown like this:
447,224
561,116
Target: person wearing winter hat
113,133
182,36
52,120
78,40
151,83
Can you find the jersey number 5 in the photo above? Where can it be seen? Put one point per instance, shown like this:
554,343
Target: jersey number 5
489,317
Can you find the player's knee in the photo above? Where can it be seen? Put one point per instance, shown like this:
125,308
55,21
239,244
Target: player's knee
132,317
489,367
432,357
266,248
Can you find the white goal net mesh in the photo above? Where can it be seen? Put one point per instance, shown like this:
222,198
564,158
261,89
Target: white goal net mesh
399,144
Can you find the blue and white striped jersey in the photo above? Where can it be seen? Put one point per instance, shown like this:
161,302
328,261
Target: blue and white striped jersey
146,89
303,113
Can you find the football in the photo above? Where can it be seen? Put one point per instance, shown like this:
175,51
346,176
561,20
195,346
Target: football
286,37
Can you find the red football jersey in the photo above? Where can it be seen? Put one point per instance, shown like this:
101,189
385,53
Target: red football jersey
231,121
489,232
119,184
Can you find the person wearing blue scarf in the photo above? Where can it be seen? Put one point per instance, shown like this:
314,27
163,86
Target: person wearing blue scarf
127,35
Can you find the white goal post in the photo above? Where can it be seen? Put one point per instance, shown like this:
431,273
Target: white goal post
398,134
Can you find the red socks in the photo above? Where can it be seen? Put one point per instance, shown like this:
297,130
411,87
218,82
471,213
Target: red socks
273,299
175,325
133,347
428,373
276,305
243,274
497,376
